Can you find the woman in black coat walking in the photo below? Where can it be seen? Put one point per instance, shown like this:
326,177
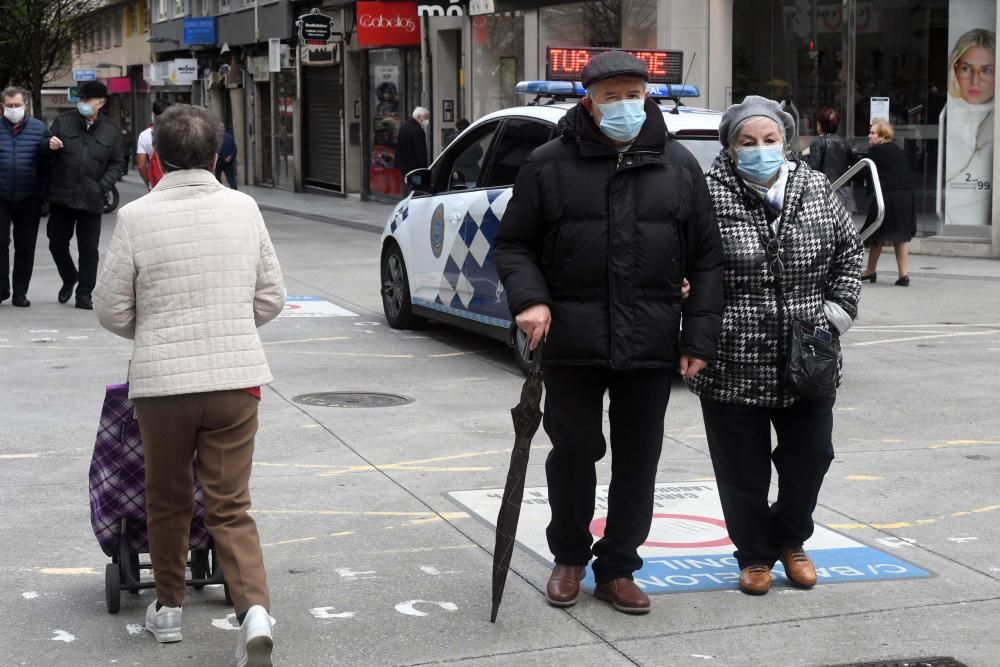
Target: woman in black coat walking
900,222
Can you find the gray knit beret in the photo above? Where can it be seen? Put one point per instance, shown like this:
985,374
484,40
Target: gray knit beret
612,63
754,105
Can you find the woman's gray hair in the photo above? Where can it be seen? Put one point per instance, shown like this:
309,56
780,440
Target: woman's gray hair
736,129
187,137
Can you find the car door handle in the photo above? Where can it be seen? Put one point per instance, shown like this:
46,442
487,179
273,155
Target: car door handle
454,219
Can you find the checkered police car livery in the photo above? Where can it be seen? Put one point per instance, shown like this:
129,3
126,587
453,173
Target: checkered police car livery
437,246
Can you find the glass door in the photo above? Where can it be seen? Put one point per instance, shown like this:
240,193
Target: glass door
284,130
389,110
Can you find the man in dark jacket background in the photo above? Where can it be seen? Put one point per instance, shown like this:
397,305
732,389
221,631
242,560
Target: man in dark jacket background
227,160
20,193
88,158
411,145
604,224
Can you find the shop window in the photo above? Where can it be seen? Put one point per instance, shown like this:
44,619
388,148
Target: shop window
602,23
118,27
161,10
519,138
497,61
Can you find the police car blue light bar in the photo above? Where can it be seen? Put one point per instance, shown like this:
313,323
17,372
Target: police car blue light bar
576,89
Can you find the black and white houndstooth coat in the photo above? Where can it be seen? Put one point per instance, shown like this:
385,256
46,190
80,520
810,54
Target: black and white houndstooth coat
821,258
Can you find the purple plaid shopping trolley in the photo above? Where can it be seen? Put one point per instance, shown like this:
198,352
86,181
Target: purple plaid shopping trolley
118,481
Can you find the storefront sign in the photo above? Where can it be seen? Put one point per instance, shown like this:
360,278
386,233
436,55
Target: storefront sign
200,30
387,24
315,28
320,54
566,64
452,8
274,54
969,177
182,71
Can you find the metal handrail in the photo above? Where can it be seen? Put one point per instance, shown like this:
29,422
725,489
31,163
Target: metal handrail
938,185
879,201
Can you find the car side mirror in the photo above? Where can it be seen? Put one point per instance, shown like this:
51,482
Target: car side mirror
419,180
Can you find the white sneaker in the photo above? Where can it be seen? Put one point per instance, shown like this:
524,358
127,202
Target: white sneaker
254,649
165,624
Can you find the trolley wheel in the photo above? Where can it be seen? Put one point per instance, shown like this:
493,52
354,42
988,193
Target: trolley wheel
229,598
112,587
200,568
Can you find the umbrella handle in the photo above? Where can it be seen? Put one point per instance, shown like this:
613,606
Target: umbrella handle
519,340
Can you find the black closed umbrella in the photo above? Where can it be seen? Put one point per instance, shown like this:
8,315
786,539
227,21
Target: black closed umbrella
527,415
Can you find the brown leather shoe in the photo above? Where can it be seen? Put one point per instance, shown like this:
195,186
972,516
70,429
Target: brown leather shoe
563,588
798,567
624,595
755,579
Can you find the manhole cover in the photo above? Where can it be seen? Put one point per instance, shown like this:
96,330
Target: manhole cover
352,399
908,662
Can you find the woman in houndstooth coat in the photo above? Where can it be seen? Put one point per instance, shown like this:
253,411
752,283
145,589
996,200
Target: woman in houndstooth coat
791,252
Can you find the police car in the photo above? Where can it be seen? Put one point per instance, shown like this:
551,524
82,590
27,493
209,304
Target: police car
437,247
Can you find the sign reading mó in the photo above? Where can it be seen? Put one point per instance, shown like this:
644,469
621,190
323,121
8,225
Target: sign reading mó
387,24
566,64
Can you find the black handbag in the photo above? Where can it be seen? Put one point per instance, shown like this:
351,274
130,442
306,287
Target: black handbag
813,363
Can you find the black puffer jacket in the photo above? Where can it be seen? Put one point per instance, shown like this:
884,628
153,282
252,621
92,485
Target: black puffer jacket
89,163
605,238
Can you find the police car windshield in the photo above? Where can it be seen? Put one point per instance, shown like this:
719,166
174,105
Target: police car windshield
704,150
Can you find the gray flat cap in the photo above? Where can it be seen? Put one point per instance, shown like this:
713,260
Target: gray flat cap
612,63
754,105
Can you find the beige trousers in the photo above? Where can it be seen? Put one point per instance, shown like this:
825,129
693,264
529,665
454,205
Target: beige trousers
220,427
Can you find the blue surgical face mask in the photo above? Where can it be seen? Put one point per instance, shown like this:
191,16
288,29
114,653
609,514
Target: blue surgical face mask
622,120
86,110
759,164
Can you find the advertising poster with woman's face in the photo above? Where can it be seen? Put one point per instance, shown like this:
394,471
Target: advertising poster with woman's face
969,176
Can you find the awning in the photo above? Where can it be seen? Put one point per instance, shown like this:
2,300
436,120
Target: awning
123,84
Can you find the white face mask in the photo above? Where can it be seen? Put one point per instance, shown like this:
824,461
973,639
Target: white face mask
425,123
14,115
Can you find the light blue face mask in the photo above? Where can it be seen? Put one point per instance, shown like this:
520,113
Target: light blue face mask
622,120
86,110
759,164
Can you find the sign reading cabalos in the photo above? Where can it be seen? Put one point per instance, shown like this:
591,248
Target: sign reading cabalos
387,24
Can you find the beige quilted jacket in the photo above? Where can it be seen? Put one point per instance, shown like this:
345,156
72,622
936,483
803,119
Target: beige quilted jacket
190,275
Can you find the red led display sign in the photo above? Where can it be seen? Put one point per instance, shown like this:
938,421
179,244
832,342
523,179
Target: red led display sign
566,63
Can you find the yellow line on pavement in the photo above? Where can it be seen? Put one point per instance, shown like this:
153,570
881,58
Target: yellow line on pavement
296,541
307,340
909,338
964,443
910,524
445,515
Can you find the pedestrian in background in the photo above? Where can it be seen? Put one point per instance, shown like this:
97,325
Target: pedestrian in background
899,224
144,151
20,193
604,223
88,158
831,154
411,145
791,254
197,364
227,160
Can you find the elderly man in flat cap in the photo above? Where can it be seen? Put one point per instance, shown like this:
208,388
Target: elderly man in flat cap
791,255
604,224
88,158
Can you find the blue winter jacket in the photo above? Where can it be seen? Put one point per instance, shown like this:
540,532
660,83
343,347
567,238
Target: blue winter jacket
19,159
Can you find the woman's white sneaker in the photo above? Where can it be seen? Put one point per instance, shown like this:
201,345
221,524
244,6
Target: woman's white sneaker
255,644
165,624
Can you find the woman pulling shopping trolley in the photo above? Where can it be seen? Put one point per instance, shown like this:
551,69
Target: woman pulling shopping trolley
193,309
792,266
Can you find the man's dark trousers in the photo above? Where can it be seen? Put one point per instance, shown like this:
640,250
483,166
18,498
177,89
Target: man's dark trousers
230,169
739,439
574,403
63,221
23,216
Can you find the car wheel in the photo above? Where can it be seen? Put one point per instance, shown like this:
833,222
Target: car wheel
396,290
